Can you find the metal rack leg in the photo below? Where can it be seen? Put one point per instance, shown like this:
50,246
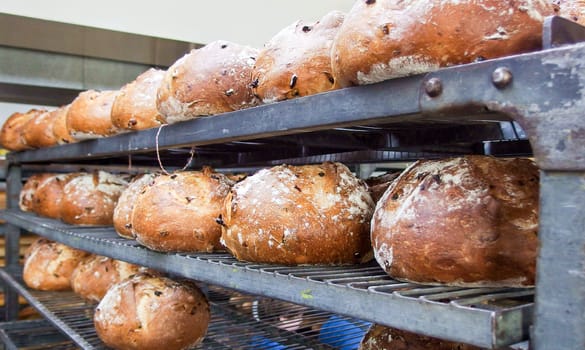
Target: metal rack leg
560,292
12,239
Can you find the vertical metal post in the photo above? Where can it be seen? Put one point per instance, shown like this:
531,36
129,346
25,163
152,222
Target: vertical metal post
12,238
560,291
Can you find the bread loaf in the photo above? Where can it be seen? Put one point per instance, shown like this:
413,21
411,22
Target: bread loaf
90,198
48,265
89,115
210,80
146,312
380,337
468,221
176,213
93,276
312,214
60,130
297,60
38,131
11,136
379,184
48,196
28,191
385,39
135,106
125,205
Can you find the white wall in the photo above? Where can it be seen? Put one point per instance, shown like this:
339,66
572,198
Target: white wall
250,22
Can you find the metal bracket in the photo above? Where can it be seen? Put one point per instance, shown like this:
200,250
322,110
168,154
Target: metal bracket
559,31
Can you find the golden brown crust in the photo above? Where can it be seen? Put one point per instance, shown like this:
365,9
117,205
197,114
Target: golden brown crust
11,136
27,193
49,265
380,337
90,198
60,130
461,221
49,194
146,312
93,276
297,60
176,213
210,80
38,131
89,115
135,106
313,214
125,205
385,39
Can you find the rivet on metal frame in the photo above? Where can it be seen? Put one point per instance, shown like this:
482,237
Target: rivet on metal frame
433,87
501,77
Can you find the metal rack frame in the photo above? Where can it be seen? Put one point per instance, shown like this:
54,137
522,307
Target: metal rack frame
544,92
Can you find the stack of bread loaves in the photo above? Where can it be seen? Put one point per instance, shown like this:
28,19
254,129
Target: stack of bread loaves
76,198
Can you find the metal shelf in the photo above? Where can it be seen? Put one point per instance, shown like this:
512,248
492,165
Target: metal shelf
491,317
230,327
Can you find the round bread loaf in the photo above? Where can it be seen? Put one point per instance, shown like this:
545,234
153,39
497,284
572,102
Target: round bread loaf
297,60
380,337
147,312
90,198
210,80
469,221
11,136
135,106
92,277
60,130
176,213
48,196
38,131
312,214
89,115
48,265
385,39
125,205
28,191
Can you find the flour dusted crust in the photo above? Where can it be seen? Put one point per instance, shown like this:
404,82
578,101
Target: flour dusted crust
147,312
135,106
177,212
210,80
469,221
312,214
571,9
48,196
93,276
89,115
90,198
27,193
60,131
11,136
380,337
38,131
297,60
125,205
48,265
384,39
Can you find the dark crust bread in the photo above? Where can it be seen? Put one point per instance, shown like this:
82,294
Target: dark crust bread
297,61
147,312
135,106
210,80
384,39
313,214
468,221
177,212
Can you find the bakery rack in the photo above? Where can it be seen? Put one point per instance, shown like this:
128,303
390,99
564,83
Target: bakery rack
529,104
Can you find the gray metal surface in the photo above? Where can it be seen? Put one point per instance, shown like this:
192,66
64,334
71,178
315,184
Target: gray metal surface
238,321
490,317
